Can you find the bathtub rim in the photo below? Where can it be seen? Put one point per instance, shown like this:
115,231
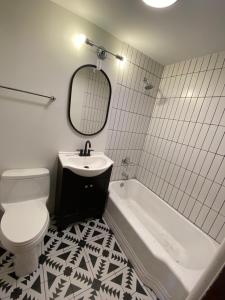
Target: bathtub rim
214,243
180,271
140,269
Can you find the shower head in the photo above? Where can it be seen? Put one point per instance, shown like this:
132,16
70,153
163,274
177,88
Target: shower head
148,85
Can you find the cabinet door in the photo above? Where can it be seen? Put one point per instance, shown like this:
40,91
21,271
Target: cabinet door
83,197
95,198
72,193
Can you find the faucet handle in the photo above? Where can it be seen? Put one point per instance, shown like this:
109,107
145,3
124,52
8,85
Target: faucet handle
89,152
81,152
126,161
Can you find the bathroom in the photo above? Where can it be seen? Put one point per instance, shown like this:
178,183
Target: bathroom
160,232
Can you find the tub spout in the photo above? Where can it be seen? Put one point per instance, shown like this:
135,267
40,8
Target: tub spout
125,176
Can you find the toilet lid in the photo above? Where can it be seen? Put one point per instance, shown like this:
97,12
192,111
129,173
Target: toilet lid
22,222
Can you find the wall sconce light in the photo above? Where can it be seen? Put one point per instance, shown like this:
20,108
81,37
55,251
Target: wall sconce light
100,50
79,40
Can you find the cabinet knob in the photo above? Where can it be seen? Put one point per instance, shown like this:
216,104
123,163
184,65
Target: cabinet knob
91,185
86,186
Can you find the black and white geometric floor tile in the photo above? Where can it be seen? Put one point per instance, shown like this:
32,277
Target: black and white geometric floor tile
84,261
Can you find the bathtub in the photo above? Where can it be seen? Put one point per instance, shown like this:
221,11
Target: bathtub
168,252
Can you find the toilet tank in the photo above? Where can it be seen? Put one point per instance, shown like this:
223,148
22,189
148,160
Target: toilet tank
24,184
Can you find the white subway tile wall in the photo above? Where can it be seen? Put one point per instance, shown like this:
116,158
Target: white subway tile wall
131,109
183,156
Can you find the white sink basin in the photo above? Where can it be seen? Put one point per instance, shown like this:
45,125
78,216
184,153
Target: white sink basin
87,166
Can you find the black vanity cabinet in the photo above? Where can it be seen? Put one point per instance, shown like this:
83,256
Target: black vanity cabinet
78,197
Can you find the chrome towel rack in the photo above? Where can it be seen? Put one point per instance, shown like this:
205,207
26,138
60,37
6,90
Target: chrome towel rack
51,98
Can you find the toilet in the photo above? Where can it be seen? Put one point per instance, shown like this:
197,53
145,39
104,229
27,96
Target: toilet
23,197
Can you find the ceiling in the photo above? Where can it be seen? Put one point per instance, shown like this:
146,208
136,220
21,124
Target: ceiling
186,29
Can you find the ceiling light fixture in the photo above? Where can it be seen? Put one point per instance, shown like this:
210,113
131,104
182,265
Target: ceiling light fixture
159,3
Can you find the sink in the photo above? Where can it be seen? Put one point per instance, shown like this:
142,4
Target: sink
87,166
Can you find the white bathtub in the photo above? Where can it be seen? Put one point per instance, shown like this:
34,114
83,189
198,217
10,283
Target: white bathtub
169,253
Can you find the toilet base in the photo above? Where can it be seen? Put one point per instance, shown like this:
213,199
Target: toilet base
27,262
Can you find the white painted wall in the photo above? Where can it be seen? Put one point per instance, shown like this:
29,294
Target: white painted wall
37,54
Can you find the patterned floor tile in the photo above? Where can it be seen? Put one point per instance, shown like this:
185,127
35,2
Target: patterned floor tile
123,284
88,294
6,261
9,282
37,293
84,261
59,287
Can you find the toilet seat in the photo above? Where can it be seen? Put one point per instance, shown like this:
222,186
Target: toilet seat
23,223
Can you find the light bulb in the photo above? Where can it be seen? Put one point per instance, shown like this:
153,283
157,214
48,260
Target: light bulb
159,3
122,63
79,40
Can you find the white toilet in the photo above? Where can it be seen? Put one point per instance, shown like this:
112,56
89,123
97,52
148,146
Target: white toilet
23,197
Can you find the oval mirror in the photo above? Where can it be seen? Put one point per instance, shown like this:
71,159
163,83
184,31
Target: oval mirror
89,99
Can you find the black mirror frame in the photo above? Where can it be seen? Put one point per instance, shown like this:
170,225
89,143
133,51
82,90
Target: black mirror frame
70,94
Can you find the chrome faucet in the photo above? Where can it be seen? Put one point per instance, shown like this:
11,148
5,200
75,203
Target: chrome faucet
86,151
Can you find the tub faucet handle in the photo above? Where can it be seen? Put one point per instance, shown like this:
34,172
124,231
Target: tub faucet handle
126,161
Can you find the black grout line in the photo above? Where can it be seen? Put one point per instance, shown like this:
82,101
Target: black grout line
194,163
179,136
172,142
199,71
210,165
179,143
128,101
187,195
220,231
196,199
205,116
203,164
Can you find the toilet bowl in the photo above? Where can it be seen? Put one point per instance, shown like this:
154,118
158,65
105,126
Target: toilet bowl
25,221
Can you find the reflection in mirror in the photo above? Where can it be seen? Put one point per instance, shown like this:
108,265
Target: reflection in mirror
90,93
